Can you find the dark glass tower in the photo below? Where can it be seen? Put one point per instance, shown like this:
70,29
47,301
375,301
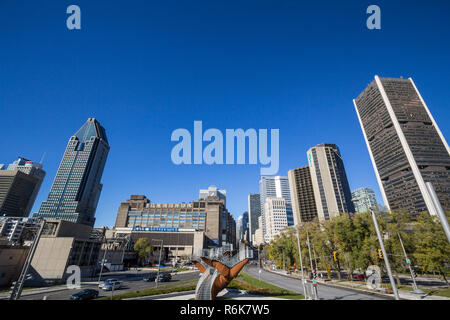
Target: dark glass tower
405,144
76,189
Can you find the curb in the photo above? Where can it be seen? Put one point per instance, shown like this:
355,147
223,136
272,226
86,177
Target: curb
165,295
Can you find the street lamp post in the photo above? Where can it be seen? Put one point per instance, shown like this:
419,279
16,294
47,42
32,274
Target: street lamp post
314,281
438,209
386,260
301,263
408,262
159,262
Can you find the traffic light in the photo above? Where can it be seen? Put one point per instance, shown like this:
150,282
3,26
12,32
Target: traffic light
414,274
335,256
380,253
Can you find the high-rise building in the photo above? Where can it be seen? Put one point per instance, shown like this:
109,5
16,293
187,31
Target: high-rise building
275,187
212,191
364,199
76,189
302,195
254,212
405,144
19,186
275,217
331,189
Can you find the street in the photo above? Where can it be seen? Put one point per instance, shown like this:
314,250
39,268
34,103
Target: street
325,292
129,284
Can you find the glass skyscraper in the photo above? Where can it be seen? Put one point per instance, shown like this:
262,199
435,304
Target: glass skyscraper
405,144
364,199
76,189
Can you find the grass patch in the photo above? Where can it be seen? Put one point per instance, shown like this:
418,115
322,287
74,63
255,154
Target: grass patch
176,287
433,292
256,287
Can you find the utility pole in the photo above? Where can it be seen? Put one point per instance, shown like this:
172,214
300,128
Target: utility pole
386,260
408,262
314,281
159,262
103,261
301,264
438,208
259,262
282,249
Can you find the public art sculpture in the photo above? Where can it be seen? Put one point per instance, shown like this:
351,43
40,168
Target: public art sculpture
217,272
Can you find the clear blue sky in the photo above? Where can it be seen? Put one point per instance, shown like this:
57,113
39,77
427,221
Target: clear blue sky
146,68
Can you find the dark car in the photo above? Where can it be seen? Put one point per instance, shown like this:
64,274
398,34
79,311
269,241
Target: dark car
358,277
164,277
149,277
85,294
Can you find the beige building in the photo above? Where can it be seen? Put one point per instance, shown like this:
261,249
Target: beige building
331,189
62,244
258,237
12,259
275,217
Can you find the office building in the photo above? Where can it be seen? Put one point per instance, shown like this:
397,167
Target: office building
254,212
242,231
331,189
405,144
275,217
302,195
76,189
212,191
364,199
19,186
174,220
258,237
275,187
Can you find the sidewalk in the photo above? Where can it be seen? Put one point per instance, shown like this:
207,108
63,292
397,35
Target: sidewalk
403,294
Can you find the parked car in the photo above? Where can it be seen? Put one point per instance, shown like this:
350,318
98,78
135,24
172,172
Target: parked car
108,286
164,277
358,277
149,277
100,285
85,294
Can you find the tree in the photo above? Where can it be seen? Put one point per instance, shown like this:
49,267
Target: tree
143,248
432,246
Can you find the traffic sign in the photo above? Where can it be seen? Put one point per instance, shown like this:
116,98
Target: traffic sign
408,261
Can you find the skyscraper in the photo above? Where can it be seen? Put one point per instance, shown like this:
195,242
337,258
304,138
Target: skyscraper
19,186
405,145
254,212
302,195
331,189
364,199
275,187
275,217
76,189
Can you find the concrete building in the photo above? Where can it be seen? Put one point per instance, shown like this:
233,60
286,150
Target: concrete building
12,259
209,217
275,187
62,244
212,191
76,189
15,229
275,216
258,237
405,144
302,195
364,199
331,189
19,186
254,212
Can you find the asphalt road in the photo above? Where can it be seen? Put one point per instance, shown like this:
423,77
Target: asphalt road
129,285
325,292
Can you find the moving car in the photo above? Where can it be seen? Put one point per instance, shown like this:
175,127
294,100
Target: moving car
85,294
149,277
164,277
100,285
114,285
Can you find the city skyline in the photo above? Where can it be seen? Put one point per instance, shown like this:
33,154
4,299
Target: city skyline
295,76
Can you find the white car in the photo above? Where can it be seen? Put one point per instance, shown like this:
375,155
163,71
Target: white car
102,283
113,285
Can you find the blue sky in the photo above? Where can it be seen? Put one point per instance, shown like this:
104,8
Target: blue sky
146,68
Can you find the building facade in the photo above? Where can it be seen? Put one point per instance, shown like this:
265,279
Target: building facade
364,199
209,216
275,216
254,212
405,144
77,186
331,189
212,191
19,186
302,195
275,187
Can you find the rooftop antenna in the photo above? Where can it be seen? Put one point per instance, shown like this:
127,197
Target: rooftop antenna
42,159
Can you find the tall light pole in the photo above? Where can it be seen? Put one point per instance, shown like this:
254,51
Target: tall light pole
301,264
314,282
103,261
159,262
408,262
386,260
439,211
